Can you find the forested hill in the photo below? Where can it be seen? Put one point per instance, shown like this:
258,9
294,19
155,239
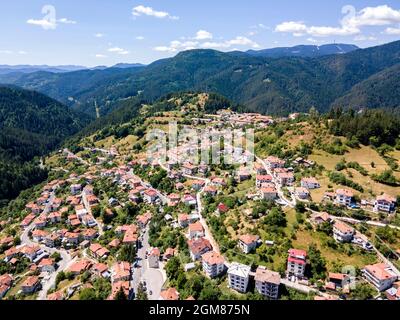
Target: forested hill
31,124
269,85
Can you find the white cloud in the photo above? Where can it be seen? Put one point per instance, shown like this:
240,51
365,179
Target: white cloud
350,25
67,21
44,23
6,52
297,28
118,51
374,16
148,11
203,35
364,38
99,35
22,52
392,31
243,41
139,38
177,45
100,56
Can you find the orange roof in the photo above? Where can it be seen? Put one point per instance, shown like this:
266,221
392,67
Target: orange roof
264,275
80,266
380,271
387,198
170,294
196,227
31,281
213,258
342,227
249,239
345,192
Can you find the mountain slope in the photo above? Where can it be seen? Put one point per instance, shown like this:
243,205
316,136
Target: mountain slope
268,85
31,124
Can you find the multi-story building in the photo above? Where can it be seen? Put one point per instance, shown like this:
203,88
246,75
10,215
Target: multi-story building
213,264
385,203
310,183
297,262
248,243
238,277
344,197
342,232
267,282
380,275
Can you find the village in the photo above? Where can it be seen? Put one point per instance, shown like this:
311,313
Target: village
122,221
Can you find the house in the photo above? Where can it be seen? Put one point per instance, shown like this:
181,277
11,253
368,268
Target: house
154,258
6,281
211,190
97,251
219,182
121,271
173,200
90,234
30,285
121,285
344,197
285,179
338,281
54,217
213,264
198,247
197,184
170,294
183,220
47,265
320,218
296,263
274,163
222,208
261,179
238,277
310,183
168,254
248,243
385,203
150,196
302,193
80,267
189,200
143,220
39,235
52,240
80,212
56,296
75,189
267,282
196,230
269,193
189,169
101,270
380,275
89,221
342,232
72,238
260,169
243,175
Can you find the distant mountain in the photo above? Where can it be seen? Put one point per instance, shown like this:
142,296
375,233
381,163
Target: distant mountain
127,65
310,51
6,69
263,84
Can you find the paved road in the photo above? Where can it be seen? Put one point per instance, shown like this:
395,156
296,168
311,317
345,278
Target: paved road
154,278
63,264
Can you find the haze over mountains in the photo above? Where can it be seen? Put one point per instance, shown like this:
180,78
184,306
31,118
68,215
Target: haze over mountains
277,81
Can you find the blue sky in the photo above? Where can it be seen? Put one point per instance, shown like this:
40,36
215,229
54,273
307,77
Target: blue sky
105,32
